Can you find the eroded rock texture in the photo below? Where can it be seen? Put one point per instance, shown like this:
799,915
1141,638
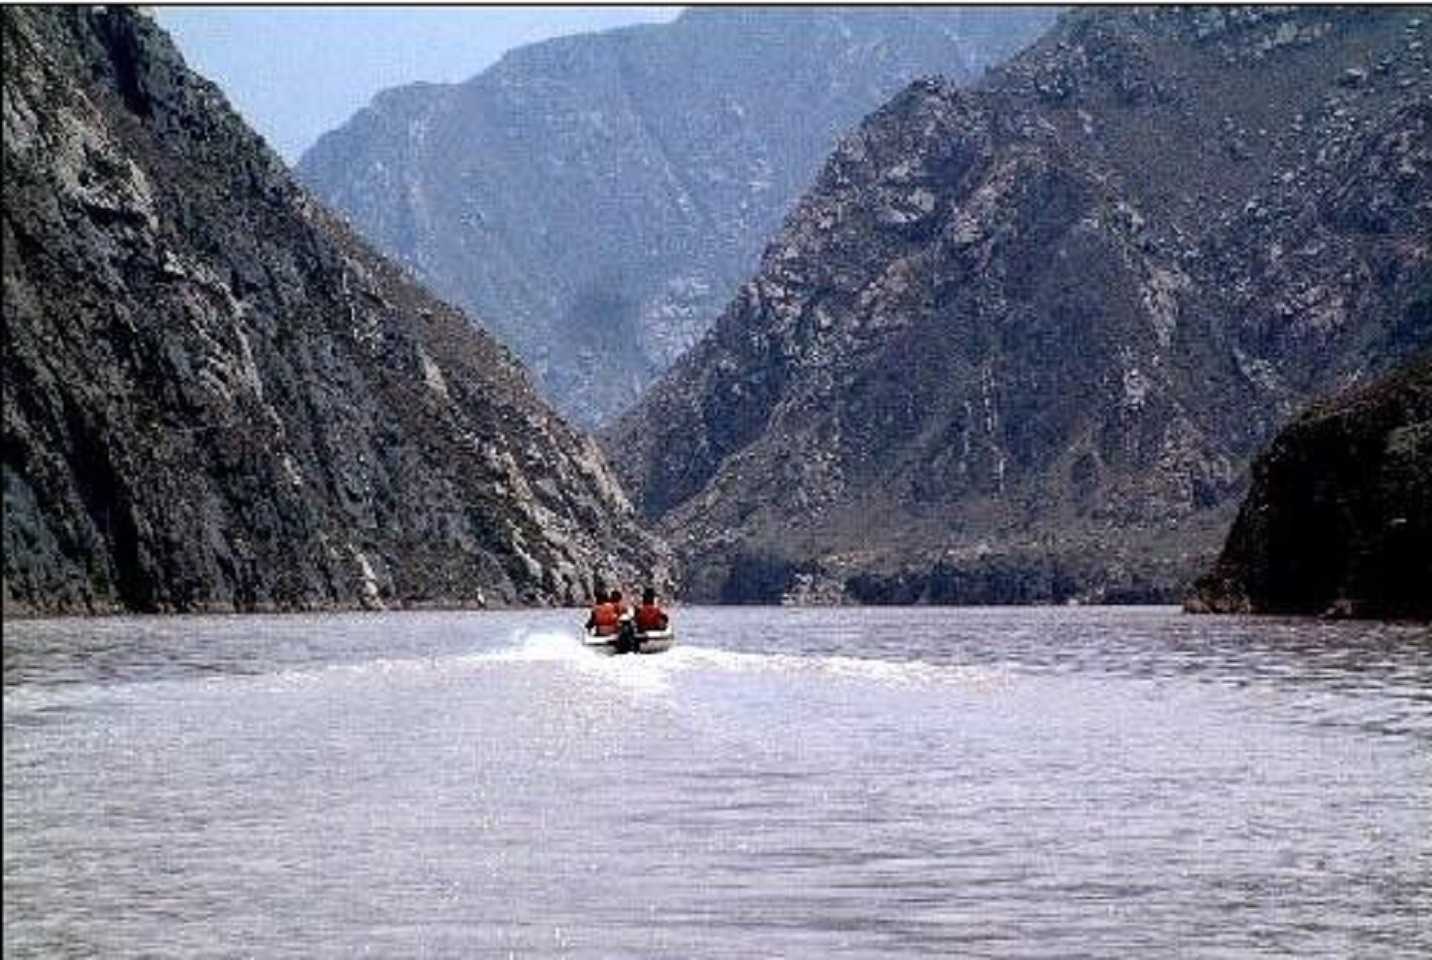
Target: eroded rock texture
217,398
1020,343
599,198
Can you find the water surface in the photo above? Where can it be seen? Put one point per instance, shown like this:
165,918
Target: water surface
1025,782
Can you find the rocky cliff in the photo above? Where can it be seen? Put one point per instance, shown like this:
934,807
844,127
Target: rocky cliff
217,398
1339,517
599,198
1020,343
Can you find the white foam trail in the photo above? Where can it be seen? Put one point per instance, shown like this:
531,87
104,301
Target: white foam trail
634,674
543,646
534,647
642,674
654,673
656,670
888,672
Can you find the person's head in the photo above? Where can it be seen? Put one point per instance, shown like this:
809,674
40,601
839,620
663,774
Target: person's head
600,596
616,596
648,595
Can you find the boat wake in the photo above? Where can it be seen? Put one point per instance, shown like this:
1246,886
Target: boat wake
557,647
544,647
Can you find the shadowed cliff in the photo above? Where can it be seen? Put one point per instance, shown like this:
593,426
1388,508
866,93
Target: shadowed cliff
1339,517
217,398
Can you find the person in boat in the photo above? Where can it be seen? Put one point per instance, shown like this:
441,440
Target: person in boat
603,620
621,607
650,618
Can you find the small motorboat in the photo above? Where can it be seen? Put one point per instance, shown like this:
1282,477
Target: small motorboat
631,640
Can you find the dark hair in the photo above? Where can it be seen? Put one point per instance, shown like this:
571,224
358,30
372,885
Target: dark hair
648,595
600,596
614,596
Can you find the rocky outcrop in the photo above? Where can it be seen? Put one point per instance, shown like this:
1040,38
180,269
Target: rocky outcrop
1020,343
1339,517
598,199
218,398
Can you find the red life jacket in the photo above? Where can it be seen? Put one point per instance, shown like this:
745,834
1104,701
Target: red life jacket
650,617
604,618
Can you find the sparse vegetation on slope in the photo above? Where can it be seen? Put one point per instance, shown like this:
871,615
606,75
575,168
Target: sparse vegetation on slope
1046,324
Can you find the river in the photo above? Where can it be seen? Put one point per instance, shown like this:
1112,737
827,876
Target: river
1020,782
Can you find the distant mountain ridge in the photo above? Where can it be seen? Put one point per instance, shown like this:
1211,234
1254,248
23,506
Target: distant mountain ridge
218,398
597,199
1020,343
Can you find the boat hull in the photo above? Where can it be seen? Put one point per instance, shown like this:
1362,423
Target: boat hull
655,641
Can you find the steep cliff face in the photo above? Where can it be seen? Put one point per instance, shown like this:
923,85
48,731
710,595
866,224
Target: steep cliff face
217,398
1339,517
599,198
1019,343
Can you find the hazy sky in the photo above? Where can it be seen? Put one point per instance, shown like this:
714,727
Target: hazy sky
297,72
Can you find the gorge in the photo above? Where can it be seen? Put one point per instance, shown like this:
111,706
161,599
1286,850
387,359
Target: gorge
219,398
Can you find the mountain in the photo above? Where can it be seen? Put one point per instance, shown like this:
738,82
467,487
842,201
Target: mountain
218,398
1339,516
599,198
1020,343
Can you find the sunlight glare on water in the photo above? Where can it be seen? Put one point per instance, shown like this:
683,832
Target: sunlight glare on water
795,783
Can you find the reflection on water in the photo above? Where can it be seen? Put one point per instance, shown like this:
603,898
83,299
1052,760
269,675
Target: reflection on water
861,783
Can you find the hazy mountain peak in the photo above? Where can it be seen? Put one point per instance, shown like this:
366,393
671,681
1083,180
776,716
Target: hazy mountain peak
596,199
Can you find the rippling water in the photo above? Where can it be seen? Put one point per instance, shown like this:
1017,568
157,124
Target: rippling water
1036,782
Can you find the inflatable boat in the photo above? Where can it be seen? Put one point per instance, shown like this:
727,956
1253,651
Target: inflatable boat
631,640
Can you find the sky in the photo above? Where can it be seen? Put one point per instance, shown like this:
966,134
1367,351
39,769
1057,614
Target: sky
296,72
